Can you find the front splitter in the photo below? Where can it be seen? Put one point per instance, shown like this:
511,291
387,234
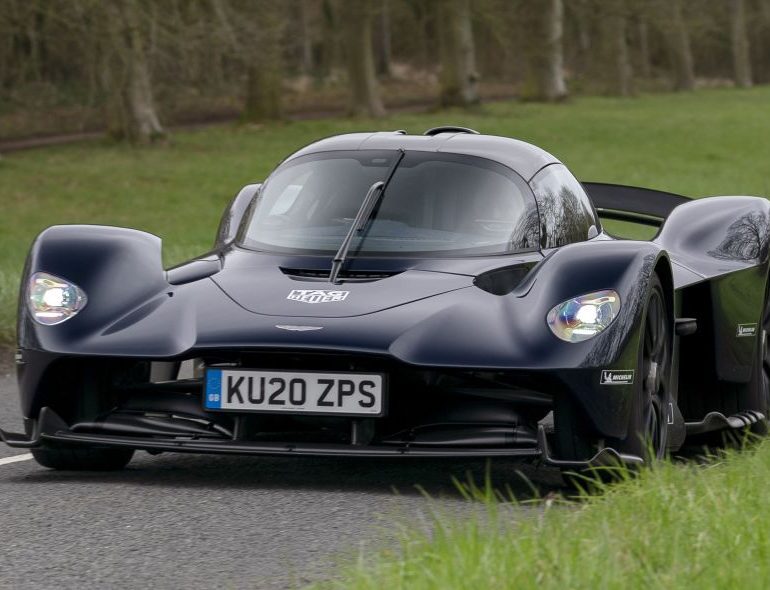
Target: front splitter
50,428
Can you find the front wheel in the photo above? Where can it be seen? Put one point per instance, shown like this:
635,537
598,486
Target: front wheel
648,426
82,458
760,384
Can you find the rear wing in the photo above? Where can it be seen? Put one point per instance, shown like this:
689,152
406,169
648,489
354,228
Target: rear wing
633,204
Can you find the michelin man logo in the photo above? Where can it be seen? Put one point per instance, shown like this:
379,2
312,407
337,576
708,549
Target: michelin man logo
617,377
746,330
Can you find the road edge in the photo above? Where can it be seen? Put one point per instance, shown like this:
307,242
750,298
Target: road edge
6,360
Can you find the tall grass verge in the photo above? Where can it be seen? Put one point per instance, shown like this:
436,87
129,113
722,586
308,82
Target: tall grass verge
678,525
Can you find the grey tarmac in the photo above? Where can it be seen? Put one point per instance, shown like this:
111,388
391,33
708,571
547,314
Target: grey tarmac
174,520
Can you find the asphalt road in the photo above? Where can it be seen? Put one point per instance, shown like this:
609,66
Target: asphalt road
176,520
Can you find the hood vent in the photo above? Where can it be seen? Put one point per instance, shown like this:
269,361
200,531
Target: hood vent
502,281
314,274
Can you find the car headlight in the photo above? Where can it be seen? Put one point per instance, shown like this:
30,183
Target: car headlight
52,300
584,317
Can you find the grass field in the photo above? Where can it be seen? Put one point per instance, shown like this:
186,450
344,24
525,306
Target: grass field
678,526
710,142
681,526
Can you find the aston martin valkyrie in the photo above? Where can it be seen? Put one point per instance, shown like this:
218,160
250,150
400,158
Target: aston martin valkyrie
393,295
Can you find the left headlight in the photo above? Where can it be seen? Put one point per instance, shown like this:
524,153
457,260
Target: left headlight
52,300
584,317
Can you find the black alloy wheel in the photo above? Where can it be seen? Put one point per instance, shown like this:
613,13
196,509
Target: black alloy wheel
765,353
762,397
655,370
648,427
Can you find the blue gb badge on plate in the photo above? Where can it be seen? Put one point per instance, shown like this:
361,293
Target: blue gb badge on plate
214,388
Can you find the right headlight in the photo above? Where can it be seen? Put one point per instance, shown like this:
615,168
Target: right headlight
52,300
585,316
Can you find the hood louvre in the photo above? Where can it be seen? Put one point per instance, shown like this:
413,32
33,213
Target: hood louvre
316,275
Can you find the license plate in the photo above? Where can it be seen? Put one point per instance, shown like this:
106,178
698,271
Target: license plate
295,392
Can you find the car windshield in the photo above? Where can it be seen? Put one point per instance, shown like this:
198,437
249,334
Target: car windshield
435,204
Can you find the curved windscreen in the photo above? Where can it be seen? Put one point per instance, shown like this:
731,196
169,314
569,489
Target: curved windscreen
434,204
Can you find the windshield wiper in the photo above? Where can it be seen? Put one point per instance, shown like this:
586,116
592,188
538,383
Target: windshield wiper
371,200
358,224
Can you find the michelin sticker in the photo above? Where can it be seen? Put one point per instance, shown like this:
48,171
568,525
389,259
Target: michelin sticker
746,330
619,377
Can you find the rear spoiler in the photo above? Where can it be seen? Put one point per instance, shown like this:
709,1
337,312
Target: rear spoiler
629,203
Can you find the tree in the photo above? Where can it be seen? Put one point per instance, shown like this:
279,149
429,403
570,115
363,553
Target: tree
263,39
582,15
253,30
645,67
679,45
545,79
759,27
554,86
459,78
306,38
21,42
617,23
383,44
740,44
125,75
355,17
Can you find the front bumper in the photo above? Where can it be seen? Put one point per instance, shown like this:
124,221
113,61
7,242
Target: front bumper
51,429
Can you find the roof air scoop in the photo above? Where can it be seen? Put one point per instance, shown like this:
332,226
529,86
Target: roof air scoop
450,129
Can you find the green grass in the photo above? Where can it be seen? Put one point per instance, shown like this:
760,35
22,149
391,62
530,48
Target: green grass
709,142
678,526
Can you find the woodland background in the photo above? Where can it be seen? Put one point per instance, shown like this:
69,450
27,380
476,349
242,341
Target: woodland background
133,68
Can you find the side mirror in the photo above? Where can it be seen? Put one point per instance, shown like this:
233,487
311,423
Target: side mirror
233,215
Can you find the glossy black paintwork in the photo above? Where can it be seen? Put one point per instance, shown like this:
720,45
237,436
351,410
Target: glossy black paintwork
428,312
717,235
631,199
420,316
194,270
233,215
724,240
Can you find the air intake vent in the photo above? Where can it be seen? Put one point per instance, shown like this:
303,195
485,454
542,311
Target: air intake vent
450,129
314,274
502,281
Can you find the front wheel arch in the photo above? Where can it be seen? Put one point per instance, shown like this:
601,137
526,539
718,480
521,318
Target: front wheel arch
576,438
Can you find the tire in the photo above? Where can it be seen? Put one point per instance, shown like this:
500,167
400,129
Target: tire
82,458
760,383
648,426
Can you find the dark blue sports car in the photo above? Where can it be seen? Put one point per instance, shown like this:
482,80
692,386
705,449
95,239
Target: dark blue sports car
385,294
